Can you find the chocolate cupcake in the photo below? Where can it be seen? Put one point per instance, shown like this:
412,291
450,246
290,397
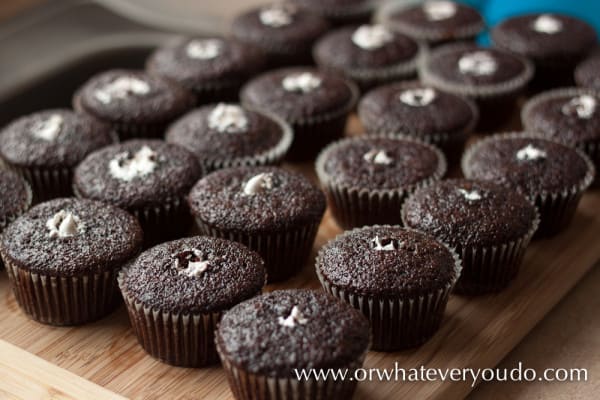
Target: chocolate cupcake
340,12
400,279
135,103
63,256
212,68
315,103
227,135
265,341
368,178
489,225
282,31
149,178
177,291
552,175
587,73
370,55
570,115
44,147
417,110
434,22
493,78
555,43
269,209
16,198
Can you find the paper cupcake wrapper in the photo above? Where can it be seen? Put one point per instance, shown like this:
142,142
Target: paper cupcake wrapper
46,183
183,340
556,209
249,386
273,156
354,206
284,253
400,322
55,300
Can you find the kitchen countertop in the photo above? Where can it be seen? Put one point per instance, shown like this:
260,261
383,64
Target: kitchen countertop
568,337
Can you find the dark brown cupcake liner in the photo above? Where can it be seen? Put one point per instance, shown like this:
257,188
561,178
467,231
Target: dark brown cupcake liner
273,156
56,300
46,183
354,206
183,340
249,386
556,209
284,252
590,148
400,322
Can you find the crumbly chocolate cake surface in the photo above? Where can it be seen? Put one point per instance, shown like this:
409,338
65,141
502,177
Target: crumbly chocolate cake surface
15,196
335,6
194,275
52,138
274,333
132,96
382,163
530,165
309,93
414,109
339,49
464,213
469,64
387,261
557,116
225,132
69,237
137,173
545,36
205,62
587,73
256,199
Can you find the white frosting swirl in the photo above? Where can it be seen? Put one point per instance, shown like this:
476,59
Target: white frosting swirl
583,106
477,63
371,37
64,224
127,167
530,153
389,246
418,97
259,183
294,318
546,23
196,265
439,10
204,49
302,82
228,118
122,88
277,16
470,195
48,129
378,157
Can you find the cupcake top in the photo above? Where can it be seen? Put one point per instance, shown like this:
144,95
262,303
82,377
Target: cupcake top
53,138
387,261
473,70
299,93
464,213
197,63
336,8
380,163
279,27
544,36
132,96
415,109
15,194
587,73
137,173
528,164
69,237
194,275
226,132
365,47
276,332
571,115
436,21
256,199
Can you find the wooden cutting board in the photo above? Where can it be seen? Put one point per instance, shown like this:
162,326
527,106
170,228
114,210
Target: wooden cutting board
103,359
